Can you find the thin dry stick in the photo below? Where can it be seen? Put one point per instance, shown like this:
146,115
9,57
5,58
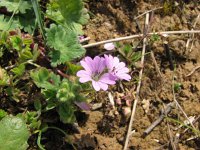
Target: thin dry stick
85,39
138,88
198,117
164,113
179,106
156,64
171,137
192,36
193,70
147,12
140,35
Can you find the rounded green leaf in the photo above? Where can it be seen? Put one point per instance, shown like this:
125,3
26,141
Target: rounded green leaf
13,133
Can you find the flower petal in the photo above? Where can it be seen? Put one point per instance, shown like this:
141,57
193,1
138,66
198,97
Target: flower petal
124,76
120,65
103,86
95,85
107,78
115,61
109,62
109,46
101,65
82,73
85,79
86,66
123,70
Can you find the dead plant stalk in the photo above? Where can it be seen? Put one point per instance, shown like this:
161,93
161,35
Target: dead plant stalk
179,106
138,88
140,36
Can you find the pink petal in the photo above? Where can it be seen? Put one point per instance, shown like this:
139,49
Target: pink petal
101,65
83,73
115,61
124,76
107,78
120,65
85,79
109,46
86,66
83,105
123,70
103,86
90,62
84,76
109,61
95,85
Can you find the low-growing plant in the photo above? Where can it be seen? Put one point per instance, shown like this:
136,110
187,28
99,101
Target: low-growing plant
59,94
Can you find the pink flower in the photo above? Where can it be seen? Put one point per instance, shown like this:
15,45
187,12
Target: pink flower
118,69
109,46
95,71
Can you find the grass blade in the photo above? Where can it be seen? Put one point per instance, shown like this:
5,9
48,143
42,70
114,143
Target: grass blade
38,15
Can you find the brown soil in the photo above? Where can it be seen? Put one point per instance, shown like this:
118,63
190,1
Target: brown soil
106,128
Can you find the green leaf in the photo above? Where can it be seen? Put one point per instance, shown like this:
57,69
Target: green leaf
36,52
127,49
12,5
65,92
65,44
31,118
37,105
4,78
14,133
155,38
25,55
136,56
177,87
4,36
72,69
73,11
69,13
53,13
66,113
38,15
13,93
2,113
6,25
27,22
44,79
19,70
16,42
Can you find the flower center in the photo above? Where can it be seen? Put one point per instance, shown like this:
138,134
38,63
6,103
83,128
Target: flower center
97,75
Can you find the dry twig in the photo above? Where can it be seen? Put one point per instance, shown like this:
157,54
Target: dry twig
164,112
192,36
179,106
140,36
138,88
193,70
147,12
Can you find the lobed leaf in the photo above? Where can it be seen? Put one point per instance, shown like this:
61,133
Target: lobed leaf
65,44
73,11
12,5
44,79
14,133
6,25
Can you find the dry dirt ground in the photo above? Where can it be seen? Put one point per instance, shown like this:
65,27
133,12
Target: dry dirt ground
105,128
